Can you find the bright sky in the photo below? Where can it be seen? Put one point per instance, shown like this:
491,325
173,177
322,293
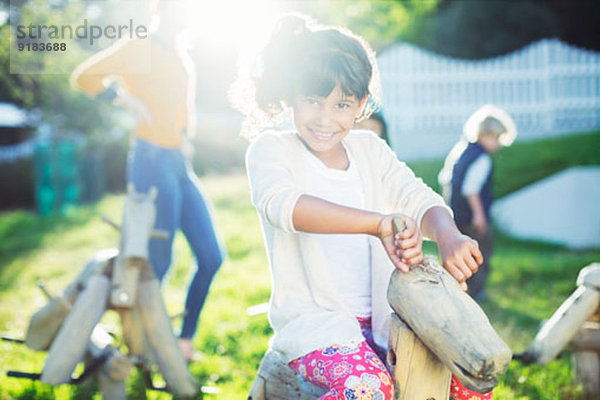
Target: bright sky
241,24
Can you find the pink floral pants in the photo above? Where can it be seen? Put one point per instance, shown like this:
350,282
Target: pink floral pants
459,392
358,373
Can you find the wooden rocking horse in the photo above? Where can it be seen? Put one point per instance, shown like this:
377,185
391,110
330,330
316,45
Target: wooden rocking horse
437,330
67,326
575,325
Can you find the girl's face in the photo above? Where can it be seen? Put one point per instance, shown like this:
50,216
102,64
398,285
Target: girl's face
323,122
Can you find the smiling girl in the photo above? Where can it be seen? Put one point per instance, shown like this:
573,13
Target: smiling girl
326,196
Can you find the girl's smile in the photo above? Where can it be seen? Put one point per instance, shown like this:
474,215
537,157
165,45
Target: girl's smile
322,123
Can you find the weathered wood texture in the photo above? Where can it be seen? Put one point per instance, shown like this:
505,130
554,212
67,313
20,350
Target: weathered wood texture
416,371
574,325
68,348
125,279
587,372
161,339
45,323
450,323
589,276
134,335
277,381
587,338
558,331
116,368
67,325
138,221
111,389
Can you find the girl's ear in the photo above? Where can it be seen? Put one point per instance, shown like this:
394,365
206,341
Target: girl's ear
363,101
361,107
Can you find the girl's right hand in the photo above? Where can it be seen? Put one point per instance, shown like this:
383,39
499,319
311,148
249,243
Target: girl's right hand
404,248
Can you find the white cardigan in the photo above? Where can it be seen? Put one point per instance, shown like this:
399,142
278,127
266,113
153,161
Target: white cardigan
306,312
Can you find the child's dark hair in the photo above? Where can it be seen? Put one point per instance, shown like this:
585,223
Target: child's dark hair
303,59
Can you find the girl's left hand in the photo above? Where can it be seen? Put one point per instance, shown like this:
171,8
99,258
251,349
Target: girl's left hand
460,256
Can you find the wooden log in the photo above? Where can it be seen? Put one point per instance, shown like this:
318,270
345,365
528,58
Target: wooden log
277,381
116,368
45,323
416,371
589,276
560,329
587,372
161,339
138,221
139,214
69,347
587,338
134,335
450,323
110,389
126,275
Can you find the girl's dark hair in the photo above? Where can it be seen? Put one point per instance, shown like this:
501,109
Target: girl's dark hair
307,60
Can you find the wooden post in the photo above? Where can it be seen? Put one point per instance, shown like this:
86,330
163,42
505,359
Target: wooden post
161,339
125,279
561,328
586,342
134,292
586,365
69,347
277,381
138,222
587,337
133,333
45,323
416,371
574,325
116,368
450,323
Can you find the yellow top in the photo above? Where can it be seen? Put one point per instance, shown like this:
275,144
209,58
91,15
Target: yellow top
159,75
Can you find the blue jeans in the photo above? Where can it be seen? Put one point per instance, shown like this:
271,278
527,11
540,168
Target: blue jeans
179,204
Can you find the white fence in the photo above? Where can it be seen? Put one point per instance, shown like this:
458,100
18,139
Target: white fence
548,87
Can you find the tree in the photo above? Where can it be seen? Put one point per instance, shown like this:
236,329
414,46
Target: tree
481,29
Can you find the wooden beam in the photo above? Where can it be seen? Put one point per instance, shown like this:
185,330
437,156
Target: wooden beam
162,341
45,323
587,338
561,328
587,372
277,381
69,346
416,371
450,323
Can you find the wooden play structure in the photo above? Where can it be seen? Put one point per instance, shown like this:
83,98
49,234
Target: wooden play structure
575,325
67,326
436,330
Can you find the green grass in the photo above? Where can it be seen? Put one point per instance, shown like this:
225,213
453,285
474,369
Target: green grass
55,249
526,162
528,282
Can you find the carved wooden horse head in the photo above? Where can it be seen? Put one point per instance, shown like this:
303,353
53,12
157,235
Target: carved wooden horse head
450,323
139,214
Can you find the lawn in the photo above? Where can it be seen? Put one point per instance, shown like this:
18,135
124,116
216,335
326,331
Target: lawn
526,162
529,281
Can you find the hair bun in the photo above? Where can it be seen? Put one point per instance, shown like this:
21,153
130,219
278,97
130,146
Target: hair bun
292,25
